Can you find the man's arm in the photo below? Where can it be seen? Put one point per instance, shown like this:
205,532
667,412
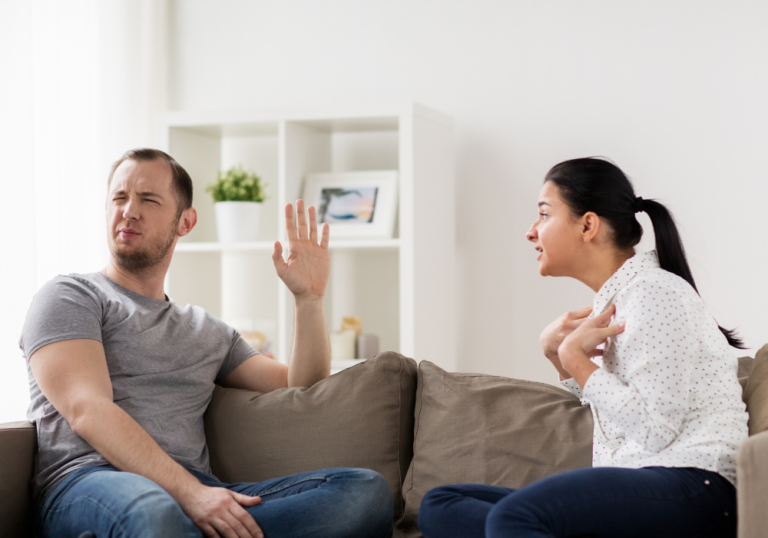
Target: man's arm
73,376
305,273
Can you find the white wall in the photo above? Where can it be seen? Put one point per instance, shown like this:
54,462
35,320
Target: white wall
676,93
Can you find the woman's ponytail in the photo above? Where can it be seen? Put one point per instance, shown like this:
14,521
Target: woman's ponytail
596,185
669,248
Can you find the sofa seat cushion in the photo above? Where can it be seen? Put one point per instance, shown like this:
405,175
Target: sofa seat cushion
472,428
361,417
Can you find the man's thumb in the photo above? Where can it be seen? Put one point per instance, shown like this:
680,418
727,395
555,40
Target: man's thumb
247,500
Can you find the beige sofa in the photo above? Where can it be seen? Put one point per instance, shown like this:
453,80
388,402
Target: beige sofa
420,427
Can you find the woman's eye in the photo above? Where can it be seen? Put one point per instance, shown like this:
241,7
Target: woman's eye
543,216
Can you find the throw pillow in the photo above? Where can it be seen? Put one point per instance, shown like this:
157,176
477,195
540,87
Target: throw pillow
756,393
361,417
472,428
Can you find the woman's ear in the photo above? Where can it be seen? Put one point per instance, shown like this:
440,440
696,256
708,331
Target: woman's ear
591,225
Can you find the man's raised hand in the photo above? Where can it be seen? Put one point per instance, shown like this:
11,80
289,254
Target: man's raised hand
308,266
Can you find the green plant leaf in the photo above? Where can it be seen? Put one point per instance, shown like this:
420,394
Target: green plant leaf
237,185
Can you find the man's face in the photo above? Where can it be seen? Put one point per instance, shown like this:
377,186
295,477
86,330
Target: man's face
142,216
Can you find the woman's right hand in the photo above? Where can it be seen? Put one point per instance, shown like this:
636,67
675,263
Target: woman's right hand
554,334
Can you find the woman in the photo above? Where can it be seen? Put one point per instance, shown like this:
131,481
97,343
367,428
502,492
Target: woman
662,388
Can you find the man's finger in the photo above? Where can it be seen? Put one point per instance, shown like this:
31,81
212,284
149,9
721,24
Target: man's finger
302,219
237,526
290,223
247,520
223,528
277,256
326,236
312,224
209,531
247,500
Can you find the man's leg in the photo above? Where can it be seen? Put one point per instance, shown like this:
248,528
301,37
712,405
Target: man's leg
333,503
606,502
458,510
107,502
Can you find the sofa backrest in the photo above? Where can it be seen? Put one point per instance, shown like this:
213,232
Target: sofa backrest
360,417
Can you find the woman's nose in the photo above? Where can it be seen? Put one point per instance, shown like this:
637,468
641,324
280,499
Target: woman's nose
530,235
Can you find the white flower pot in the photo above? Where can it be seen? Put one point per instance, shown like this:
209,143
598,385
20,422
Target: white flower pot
237,222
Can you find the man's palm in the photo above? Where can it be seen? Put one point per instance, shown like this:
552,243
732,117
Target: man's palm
308,266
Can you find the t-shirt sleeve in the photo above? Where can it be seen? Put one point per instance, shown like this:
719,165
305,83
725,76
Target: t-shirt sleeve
63,309
239,352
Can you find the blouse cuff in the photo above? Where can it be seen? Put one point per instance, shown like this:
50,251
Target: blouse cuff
571,385
604,389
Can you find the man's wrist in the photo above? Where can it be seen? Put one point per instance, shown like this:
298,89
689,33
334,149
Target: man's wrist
304,301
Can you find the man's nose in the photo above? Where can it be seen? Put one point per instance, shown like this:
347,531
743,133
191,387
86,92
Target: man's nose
131,210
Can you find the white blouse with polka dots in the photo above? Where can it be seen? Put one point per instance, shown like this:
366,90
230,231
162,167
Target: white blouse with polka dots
666,393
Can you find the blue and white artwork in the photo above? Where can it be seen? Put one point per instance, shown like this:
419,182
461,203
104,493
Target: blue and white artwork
347,206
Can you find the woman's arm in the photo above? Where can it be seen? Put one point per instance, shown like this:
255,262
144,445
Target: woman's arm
657,349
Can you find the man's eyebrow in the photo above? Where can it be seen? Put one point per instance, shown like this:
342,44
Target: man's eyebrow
544,203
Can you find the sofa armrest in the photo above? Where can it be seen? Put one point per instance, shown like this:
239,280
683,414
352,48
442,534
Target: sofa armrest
18,444
752,471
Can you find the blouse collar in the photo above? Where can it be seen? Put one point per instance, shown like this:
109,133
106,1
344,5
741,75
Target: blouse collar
619,279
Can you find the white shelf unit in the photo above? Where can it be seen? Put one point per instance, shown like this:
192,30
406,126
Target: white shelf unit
403,288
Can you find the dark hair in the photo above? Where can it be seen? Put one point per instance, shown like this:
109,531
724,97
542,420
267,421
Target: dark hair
182,183
596,185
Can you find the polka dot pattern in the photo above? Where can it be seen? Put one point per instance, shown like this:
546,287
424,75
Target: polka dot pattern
666,393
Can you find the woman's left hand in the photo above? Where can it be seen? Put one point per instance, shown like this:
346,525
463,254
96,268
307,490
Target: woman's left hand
578,346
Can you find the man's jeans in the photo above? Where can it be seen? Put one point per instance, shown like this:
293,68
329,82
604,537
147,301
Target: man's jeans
327,503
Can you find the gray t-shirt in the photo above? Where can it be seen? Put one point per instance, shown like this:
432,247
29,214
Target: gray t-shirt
163,361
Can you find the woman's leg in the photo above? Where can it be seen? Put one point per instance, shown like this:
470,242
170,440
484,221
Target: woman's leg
458,510
605,502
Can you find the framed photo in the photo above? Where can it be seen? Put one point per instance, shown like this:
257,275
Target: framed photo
354,204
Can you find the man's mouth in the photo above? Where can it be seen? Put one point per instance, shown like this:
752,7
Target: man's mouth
540,251
128,233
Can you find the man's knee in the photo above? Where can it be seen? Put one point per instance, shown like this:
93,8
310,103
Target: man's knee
373,506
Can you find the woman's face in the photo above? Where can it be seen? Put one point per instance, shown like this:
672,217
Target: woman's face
556,234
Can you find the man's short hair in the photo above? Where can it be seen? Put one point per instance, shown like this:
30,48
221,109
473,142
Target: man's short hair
182,183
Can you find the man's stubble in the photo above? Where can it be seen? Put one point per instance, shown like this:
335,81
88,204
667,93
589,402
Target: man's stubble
140,260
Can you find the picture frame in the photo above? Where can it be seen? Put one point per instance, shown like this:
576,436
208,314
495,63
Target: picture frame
354,204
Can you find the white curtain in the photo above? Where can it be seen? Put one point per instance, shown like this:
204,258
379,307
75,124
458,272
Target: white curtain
80,82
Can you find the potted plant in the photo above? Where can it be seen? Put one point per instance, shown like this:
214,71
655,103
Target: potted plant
237,195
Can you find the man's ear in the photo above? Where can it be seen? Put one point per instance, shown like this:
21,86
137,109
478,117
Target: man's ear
591,225
187,222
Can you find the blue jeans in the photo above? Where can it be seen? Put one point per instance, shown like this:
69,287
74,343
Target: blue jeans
331,503
599,502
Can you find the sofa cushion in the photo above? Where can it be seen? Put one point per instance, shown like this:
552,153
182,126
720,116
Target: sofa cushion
756,393
472,428
360,417
18,444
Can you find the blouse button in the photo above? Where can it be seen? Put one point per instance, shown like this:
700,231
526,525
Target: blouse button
706,482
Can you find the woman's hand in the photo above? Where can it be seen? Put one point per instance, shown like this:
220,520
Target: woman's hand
554,334
581,343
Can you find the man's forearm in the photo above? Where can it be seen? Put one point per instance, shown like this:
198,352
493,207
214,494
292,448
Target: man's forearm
127,446
311,354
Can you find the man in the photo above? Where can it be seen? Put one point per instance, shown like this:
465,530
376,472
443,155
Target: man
120,377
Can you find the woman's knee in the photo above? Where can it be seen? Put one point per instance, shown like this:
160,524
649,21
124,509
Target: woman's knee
432,506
